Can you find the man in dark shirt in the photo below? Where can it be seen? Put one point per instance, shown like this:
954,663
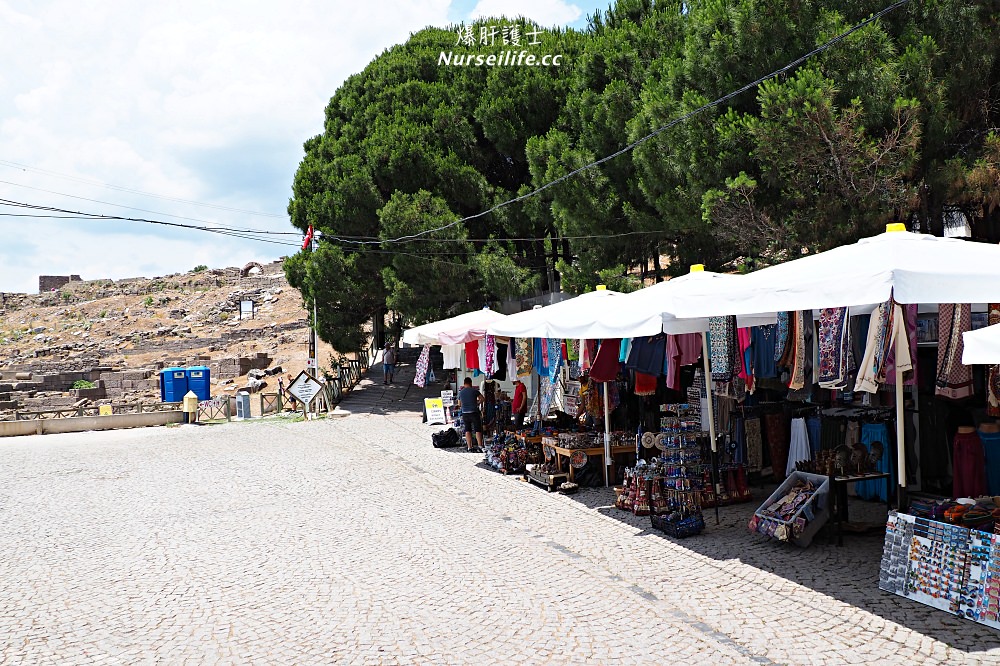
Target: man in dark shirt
470,398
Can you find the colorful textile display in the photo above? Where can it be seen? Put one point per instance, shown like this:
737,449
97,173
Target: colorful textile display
572,350
423,362
954,380
834,347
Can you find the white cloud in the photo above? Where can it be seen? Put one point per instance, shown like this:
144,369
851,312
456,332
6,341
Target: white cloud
201,101
542,12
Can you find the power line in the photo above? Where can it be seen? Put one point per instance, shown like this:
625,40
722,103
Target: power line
725,98
246,234
106,203
77,179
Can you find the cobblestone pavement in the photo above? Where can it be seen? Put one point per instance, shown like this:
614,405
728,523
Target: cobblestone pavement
352,540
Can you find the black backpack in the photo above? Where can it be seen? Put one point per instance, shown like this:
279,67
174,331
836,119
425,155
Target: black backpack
444,439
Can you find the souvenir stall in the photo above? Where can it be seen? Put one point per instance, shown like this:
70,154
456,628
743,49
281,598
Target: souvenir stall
466,350
934,553
538,338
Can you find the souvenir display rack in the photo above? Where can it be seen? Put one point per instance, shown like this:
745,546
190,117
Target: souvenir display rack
669,488
949,567
796,510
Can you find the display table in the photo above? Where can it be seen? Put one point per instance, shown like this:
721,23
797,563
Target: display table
562,452
838,491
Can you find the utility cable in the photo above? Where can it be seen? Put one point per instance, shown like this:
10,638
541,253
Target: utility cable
118,188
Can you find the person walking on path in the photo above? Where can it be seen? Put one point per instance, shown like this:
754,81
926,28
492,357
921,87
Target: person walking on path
388,363
470,398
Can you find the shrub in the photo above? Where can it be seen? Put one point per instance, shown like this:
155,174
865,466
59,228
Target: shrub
148,302
83,384
199,268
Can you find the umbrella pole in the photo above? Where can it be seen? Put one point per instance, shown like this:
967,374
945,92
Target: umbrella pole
900,430
607,435
711,418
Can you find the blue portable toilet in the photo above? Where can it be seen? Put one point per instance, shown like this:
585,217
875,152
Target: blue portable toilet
173,384
198,380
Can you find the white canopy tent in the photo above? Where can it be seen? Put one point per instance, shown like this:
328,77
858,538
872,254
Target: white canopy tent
454,330
982,347
912,268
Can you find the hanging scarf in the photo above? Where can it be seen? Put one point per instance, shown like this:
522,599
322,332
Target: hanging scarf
785,338
993,378
420,379
798,344
573,350
745,368
722,339
490,357
522,354
954,380
554,346
834,347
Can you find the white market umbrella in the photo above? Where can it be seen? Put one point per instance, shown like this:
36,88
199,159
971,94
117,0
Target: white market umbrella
912,268
454,330
575,318
982,347
636,314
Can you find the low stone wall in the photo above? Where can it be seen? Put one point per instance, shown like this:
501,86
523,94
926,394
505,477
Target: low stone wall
84,423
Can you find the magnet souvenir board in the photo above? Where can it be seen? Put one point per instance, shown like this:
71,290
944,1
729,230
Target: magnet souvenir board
948,567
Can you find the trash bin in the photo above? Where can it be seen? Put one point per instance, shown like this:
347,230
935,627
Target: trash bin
242,405
190,407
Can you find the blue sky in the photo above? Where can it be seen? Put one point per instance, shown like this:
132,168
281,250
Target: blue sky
186,111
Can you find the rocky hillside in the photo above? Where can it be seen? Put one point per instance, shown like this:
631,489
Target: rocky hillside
147,323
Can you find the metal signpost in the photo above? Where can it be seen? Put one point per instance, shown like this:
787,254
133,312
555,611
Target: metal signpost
305,388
